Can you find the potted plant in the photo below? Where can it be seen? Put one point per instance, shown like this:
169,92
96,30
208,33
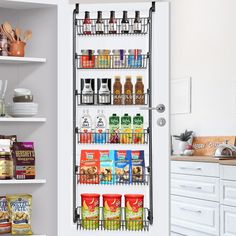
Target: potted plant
183,140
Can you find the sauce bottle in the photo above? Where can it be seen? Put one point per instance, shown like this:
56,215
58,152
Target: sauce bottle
137,23
112,23
85,128
6,166
87,23
117,91
100,128
128,90
125,23
139,91
99,24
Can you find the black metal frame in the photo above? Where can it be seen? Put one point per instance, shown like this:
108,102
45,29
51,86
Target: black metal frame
76,214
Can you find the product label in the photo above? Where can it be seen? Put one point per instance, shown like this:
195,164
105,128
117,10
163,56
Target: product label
87,27
125,26
112,27
6,168
137,26
99,27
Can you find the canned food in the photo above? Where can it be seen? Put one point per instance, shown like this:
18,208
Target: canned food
87,59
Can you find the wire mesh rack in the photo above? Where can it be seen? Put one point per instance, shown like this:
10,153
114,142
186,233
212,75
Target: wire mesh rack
115,28
123,224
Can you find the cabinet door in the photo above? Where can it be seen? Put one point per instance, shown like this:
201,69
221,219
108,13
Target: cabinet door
228,172
228,192
181,231
228,220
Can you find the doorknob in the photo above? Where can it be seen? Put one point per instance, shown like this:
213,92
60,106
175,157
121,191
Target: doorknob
159,108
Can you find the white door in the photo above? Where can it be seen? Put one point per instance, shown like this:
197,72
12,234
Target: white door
160,137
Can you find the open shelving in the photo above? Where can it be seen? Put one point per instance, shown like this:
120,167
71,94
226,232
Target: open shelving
23,119
23,181
19,60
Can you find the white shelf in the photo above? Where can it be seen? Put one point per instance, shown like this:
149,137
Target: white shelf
22,119
9,59
23,181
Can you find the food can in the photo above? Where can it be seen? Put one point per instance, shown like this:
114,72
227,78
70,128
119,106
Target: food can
112,211
90,210
134,211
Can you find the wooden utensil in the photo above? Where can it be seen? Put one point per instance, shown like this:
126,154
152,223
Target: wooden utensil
27,35
4,33
18,34
8,29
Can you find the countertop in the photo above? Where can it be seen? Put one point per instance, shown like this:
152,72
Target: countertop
209,159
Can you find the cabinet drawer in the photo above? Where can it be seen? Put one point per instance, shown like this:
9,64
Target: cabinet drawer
195,186
181,231
228,192
228,172
228,221
195,168
197,215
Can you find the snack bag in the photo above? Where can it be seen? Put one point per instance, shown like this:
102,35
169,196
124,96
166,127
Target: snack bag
138,166
123,166
106,167
20,208
89,167
5,225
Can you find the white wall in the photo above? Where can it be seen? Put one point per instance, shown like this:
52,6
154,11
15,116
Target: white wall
203,46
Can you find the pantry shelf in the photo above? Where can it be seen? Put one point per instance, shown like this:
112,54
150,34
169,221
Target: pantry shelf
22,119
18,60
23,181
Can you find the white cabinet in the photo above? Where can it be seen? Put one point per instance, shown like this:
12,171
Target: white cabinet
182,231
228,172
228,192
228,220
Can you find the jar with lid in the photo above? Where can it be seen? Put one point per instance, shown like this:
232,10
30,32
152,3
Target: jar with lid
87,59
135,58
103,59
3,45
119,58
6,166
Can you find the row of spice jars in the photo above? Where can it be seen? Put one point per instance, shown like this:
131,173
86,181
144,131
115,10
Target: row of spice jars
118,59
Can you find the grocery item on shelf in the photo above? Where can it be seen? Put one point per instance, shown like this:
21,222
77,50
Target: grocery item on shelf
87,59
87,91
138,135
112,27
5,145
104,91
114,129
90,210
137,27
99,27
134,211
118,58
5,225
6,165
117,91
139,91
123,166
138,166
12,138
3,44
135,58
103,60
24,160
20,208
85,135
89,167
125,23
126,129
3,89
100,135
128,91
87,24
112,211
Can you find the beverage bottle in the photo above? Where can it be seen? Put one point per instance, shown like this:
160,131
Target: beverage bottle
87,23
117,91
112,29
99,24
87,92
104,93
139,91
138,134
128,91
137,23
125,23
85,128
100,135
126,131
114,129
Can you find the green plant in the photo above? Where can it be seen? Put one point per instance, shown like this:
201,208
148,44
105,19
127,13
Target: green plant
184,136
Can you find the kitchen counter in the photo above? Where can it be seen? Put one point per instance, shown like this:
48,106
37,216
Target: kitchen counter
209,159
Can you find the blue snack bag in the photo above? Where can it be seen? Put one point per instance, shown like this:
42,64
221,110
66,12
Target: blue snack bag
138,166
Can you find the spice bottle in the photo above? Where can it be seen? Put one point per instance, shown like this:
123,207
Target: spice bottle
128,90
117,91
137,23
6,166
99,24
125,23
87,23
112,23
139,91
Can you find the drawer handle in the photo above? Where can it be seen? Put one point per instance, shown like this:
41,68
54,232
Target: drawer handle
191,187
191,210
190,168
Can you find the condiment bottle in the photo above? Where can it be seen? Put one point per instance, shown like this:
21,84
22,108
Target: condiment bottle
125,23
139,91
137,23
87,92
117,91
112,24
87,23
104,93
128,90
99,24
6,166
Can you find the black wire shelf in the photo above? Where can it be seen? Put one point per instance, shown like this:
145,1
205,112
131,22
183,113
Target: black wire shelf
112,225
116,27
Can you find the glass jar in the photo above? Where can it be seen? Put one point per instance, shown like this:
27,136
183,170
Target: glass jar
135,58
3,45
118,58
2,107
103,59
6,166
87,59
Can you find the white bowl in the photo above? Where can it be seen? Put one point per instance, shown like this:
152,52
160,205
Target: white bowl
21,92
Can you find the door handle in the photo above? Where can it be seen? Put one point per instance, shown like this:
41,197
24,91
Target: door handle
191,187
191,210
159,108
190,168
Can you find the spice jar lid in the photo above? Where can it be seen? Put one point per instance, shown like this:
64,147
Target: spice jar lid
87,51
118,51
104,51
134,51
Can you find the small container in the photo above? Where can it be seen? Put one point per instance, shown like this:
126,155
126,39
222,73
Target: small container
112,211
134,211
3,45
90,210
87,59
6,166
119,58
2,107
103,59
135,58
